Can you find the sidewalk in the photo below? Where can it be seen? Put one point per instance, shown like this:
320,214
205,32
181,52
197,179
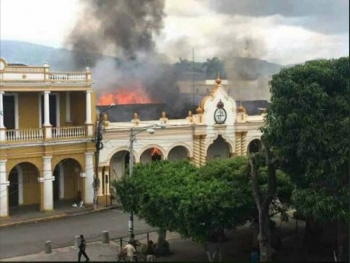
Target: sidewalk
182,250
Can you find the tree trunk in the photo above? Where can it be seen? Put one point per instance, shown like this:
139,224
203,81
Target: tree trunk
264,236
161,239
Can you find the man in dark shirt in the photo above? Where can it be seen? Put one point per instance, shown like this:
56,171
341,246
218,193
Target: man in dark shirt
82,247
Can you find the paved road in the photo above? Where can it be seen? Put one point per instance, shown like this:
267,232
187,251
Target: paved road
31,238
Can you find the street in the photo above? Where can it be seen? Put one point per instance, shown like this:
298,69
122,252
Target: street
31,238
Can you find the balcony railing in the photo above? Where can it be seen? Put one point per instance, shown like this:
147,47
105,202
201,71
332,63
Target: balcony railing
78,76
17,135
68,132
24,135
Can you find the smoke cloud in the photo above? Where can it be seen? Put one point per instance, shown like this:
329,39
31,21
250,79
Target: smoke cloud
122,27
126,29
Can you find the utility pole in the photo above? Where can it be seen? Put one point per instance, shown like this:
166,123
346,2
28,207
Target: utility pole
193,100
98,147
131,170
133,133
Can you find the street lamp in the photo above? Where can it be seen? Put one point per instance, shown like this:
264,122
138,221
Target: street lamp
133,132
98,146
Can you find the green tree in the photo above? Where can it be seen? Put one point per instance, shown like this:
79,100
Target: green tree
179,197
307,125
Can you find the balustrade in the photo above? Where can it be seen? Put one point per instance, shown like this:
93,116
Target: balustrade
16,135
24,135
67,76
68,132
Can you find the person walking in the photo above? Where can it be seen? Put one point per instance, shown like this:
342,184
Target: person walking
130,250
82,247
150,251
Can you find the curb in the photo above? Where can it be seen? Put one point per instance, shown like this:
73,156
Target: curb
64,215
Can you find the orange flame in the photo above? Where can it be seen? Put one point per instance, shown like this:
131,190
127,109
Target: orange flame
155,151
135,95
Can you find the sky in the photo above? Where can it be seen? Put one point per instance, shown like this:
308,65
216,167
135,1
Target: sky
279,31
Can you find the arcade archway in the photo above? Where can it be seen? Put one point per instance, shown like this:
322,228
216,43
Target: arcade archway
24,188
219,149
151,155
119,163
254,146
178,153
68,184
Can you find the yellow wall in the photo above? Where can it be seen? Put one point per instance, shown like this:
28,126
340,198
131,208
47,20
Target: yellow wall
31,186
78,110
72,182
28,110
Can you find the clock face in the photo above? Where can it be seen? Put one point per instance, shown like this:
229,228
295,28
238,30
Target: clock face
220,116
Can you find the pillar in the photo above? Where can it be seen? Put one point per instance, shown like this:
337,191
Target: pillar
88,121
244,143
196,150
3,190
2,127
203,154
47,124
68,115
47,181
238,148
89,178
47,108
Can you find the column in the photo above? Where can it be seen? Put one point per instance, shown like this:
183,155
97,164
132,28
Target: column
47,125
244,143
47,180
238,143
196,150
203,155
88,122
88,107
2,127
3,190
47,108
68,116
89,177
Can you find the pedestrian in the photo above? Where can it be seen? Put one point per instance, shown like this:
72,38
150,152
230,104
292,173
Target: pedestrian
82,247
150,252
130,250
134,241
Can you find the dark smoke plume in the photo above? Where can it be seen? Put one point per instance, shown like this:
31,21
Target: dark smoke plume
124,27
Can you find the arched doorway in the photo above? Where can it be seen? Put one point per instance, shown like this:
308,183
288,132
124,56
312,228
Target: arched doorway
178,153
151,155
24,188
219,149
119,164
68,184
254,146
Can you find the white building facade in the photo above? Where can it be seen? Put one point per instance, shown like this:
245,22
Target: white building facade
219,129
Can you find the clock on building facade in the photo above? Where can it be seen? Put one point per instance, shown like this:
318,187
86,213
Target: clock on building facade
220,114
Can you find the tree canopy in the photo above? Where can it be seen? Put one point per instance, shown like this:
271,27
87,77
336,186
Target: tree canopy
189,200
180,197
308,127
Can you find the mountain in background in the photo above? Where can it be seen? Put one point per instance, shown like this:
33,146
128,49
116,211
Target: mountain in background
30,54
61,59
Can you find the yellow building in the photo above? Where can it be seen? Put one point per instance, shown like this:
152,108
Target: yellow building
46,130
